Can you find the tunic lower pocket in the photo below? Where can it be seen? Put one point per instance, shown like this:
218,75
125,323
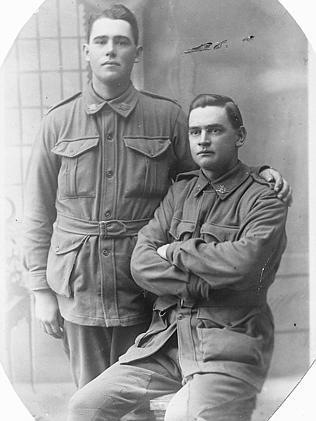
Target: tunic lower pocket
61,260
235,334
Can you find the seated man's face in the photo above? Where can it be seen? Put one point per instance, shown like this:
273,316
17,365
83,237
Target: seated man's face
214,142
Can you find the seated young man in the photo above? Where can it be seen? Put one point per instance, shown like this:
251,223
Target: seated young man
209,254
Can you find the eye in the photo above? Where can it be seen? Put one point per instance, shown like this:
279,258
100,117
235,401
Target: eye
214,130
100,41
195,132
123,42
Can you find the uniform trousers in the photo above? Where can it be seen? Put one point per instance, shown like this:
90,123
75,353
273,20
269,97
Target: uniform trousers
202,397
92,349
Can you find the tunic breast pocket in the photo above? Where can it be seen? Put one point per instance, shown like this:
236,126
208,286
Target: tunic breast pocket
148,166
78,171
181,230
219,233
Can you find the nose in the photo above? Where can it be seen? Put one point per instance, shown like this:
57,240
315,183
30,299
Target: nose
110,50
204,138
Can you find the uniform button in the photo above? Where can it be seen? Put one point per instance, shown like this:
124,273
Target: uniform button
180,316
105,252
109,137
107,214
109,173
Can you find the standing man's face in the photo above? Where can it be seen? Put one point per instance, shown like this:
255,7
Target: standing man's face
214,142
111,52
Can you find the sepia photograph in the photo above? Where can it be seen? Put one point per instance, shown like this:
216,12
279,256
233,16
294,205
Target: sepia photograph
156,203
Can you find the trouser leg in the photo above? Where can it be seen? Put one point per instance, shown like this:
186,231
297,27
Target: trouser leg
213,397
92,349
123,387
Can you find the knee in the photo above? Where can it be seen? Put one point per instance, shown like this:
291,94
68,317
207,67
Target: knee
175,415
84,406
78,402
176,411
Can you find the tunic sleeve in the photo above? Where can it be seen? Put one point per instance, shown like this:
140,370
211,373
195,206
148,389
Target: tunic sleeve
150,271
39,210
245,263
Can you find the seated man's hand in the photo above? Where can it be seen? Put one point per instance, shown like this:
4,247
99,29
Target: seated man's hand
281,186
162,251
198,289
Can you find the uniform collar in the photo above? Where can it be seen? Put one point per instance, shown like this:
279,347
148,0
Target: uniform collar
225,184
123,105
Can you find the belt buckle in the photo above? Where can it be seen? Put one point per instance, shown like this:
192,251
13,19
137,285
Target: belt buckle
107,228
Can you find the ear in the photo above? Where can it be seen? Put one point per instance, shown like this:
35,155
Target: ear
139,54
86,52
241,136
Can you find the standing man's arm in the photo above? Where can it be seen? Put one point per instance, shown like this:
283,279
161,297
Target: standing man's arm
280,185
39,216
181,146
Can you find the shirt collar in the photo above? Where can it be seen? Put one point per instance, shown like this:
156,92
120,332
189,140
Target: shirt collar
225,184
123,105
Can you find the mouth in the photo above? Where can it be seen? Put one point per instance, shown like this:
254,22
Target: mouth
205,152
110,63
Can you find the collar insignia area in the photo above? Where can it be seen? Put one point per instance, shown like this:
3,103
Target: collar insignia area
92,107
124,107
221,189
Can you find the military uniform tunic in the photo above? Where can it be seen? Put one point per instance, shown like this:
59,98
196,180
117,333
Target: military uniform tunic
226,241
98,171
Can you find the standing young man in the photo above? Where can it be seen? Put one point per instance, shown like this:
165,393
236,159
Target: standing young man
100,165
210,254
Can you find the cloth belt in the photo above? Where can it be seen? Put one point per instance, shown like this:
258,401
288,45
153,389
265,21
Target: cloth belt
218,298
228,297
108,229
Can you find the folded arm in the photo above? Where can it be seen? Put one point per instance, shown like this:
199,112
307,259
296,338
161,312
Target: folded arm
239,264
195,267
149,269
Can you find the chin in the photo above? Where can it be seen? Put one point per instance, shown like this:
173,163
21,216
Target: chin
206,165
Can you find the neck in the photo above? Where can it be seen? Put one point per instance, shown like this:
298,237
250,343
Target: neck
213,175
113,90
217,173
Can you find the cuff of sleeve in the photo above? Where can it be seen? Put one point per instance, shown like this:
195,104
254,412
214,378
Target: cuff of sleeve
259,169
37,281
171,249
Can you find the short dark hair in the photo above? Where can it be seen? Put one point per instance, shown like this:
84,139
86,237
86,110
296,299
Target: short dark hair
232,110
116,11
